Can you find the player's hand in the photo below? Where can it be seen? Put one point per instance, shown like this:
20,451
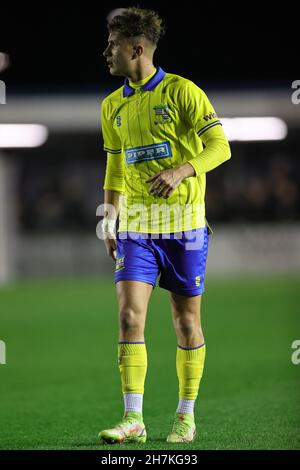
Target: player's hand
109,237
111,247
165,182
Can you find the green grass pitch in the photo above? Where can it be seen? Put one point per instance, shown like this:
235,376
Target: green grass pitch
61,383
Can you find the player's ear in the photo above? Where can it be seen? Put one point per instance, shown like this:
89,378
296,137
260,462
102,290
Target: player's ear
137,51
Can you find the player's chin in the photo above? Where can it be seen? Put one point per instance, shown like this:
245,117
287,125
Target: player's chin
114,71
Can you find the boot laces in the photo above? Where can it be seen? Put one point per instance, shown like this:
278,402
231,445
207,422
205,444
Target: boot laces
181,427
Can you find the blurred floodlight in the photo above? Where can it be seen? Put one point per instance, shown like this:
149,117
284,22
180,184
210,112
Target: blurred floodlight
22,135
4,61
254,128
115,12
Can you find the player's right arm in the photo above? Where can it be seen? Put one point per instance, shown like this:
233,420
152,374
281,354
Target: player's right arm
111,210
114,177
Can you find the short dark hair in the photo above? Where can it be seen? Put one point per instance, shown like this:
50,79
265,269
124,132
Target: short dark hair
135,21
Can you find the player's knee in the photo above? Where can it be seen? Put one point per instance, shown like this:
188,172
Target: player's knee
130,320
186,325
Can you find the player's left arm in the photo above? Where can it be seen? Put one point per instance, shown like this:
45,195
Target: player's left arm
217,151
200,115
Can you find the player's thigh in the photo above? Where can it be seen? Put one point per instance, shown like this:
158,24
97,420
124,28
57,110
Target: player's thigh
186,308
133,297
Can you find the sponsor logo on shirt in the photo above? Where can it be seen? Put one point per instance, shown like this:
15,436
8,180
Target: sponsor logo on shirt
119,119
148,152
210,116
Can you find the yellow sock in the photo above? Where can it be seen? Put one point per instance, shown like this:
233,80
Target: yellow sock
133,366
189,366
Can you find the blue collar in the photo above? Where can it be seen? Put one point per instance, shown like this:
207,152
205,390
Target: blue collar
149,86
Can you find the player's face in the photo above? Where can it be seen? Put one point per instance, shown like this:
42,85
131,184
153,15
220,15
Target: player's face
118,55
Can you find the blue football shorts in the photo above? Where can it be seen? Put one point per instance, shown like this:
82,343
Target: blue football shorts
179,258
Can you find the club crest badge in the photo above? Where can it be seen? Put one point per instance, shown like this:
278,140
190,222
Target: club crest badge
161,114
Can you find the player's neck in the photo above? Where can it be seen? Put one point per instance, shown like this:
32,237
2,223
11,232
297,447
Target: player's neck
141,72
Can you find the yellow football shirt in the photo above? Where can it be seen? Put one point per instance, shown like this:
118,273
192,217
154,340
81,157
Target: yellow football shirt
150,126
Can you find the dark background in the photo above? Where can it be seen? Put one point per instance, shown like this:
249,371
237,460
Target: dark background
60,46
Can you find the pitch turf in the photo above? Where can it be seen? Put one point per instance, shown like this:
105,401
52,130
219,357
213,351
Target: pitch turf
61,385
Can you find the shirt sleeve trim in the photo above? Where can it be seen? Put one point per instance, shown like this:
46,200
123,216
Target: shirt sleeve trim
208,126
112,151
